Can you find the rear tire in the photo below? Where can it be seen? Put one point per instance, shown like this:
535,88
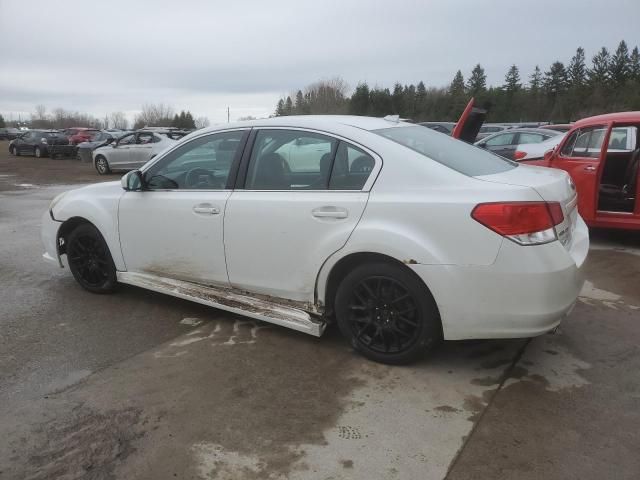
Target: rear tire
90,260
387,313
102,166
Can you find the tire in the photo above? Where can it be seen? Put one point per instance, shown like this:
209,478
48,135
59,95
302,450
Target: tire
90,260
37,152
15,151
387,313
102,166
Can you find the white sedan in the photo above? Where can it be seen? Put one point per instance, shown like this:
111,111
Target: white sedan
536,151
399,234
130,151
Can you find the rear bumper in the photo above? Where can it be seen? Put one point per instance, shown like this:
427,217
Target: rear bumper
49,234
526,292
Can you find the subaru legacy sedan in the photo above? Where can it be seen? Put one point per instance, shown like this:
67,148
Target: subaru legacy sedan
397,233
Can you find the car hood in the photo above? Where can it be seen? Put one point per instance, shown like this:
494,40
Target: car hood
550,183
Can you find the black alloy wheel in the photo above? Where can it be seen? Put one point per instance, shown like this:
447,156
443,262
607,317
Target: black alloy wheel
387,313
90,260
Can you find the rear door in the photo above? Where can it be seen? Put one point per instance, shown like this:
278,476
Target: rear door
300,194
581,156
141,151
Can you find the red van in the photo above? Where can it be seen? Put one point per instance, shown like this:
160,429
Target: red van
602,155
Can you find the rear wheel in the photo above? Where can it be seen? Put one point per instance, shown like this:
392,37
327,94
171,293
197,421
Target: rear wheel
102,166
89,259
387,314
37,152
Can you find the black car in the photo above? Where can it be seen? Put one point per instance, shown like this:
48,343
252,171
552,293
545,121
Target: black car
37,142
505,143
9,133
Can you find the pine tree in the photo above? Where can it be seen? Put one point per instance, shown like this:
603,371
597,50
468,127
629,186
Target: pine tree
512,80
183,119
300,104
577,70
477,81
555,80
421,99
280,111
397,100
619,65
189,122
381,102
2,122
359,104
535,80
634,64
599,73
457,85
288,106
176,121
409,101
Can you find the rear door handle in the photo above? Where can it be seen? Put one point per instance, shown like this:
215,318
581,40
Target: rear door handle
330,212
206,209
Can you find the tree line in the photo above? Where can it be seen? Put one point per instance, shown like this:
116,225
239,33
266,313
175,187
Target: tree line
156,115
561,93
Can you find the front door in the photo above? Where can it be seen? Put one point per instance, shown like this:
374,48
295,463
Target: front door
120,154
141,151
173,227
303,195
581,156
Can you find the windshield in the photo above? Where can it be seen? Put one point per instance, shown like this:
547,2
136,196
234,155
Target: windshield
455,154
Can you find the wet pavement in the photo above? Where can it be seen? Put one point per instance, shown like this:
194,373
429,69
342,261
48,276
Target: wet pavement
140,385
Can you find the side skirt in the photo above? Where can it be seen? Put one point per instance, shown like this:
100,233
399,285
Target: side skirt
226,299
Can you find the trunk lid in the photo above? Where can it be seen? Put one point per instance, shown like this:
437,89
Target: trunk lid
552,185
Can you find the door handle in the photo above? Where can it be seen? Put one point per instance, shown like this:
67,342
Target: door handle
589,168
207,209
330,212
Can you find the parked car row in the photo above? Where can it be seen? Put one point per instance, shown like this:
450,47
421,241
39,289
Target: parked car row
9,133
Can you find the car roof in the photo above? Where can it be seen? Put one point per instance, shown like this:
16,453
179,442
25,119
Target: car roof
610,117
313,121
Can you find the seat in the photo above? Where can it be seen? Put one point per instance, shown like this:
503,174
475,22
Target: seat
271,173
622,197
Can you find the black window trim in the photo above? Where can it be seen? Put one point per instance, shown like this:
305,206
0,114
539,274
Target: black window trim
231,178
246,157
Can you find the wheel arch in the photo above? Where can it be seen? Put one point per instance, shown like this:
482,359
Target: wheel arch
330,277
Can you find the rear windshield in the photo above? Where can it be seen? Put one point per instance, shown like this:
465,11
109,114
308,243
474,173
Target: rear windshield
455,154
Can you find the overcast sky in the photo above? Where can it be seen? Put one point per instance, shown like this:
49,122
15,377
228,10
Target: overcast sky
99,57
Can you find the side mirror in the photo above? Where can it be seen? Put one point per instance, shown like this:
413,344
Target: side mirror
132,181
482,145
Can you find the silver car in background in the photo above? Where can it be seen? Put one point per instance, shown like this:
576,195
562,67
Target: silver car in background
131,151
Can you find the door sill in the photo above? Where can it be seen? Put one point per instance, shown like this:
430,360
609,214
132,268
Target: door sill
226,299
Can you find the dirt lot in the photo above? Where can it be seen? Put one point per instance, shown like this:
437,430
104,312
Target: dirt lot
140,385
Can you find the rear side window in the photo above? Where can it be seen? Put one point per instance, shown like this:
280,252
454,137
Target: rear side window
498,140
453,153
351,168
531,138
290,160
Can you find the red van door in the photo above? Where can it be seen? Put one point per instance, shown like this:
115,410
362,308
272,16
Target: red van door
580,154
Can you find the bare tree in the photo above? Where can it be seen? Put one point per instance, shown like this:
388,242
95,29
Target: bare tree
202,122
118,120
41,112
154,115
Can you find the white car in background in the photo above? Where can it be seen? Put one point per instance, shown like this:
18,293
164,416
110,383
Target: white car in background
536,151
399,234
130,151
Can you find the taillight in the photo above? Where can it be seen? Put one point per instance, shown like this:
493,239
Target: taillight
526,223
519,155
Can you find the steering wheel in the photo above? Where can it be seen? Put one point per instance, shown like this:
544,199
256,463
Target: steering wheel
203,179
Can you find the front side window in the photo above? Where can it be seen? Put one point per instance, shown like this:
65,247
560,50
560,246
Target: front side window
500,140
201,164
567,148
290,160
127,140
589,142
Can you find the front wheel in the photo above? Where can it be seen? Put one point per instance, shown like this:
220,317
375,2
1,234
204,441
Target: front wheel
37,152
102,166
89,259
387,314
15,151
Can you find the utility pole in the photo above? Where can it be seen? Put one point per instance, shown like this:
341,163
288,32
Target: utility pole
228,116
